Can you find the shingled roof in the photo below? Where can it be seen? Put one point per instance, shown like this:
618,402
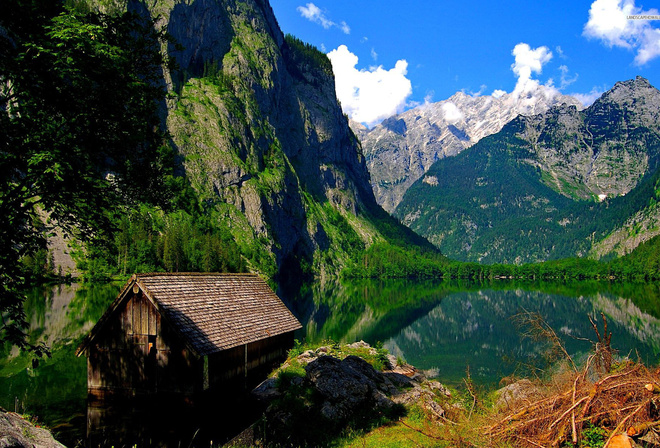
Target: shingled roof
213,312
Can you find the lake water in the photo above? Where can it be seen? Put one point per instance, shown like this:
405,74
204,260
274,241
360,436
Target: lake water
443,328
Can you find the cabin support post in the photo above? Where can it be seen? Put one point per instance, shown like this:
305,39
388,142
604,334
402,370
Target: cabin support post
205,373
246,360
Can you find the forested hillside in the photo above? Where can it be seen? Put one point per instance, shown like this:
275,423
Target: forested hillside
545,187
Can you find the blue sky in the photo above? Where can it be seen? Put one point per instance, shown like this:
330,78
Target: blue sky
411,52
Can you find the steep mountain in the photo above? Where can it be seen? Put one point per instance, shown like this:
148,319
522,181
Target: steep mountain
553,185
262,139
403,147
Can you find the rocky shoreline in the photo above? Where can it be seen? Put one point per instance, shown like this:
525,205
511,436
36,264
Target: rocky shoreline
333,388
17,432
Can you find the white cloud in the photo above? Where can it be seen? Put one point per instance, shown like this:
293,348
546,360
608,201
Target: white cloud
565,79
609,22
451,112
527,62
428,100
479,92
374,55
529,91
587,99
498,93
560,52
369,96
314,14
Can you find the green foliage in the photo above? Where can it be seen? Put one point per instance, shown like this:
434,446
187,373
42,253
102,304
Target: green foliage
384,260
297,349
305,61
594,437
289,376
591,437
151,240
641,264
79,132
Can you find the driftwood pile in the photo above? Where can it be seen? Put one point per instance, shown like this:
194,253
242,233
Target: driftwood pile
623,399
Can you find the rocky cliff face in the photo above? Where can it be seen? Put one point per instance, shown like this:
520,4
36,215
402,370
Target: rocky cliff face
263,139
603,152
403,147
560,184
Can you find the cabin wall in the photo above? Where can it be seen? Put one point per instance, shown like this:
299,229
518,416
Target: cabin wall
137,353
229,366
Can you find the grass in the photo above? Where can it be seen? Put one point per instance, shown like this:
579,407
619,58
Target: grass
393,435
376,356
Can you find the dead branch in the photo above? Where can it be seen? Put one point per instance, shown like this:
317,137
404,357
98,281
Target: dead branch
653,388
573,428
561,417
623,422
535,327
470,387
420,431
642,428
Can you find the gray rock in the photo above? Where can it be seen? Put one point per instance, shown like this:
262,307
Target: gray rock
16,432
361,344
306,357
267,390
422,397
439,388
522,390
347,386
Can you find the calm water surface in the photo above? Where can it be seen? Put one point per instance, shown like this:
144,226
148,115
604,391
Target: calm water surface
441,327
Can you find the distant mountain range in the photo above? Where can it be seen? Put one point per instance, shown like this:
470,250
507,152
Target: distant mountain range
400,149
557,184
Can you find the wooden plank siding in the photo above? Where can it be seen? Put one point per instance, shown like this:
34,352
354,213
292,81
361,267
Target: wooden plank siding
134,352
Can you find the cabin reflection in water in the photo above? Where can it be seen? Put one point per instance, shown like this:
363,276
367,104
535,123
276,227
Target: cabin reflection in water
155,421
186,337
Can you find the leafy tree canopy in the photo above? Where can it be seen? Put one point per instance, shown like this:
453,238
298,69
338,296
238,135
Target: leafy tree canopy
79,130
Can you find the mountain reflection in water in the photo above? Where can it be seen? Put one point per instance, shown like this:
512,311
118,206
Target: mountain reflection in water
444,327
476,330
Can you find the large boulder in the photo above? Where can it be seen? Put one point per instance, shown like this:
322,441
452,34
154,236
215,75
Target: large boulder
16,432
322,392
513,394
347,386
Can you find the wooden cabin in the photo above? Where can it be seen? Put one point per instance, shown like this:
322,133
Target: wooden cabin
185,333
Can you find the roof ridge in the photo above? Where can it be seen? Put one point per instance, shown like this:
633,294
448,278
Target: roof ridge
197,274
